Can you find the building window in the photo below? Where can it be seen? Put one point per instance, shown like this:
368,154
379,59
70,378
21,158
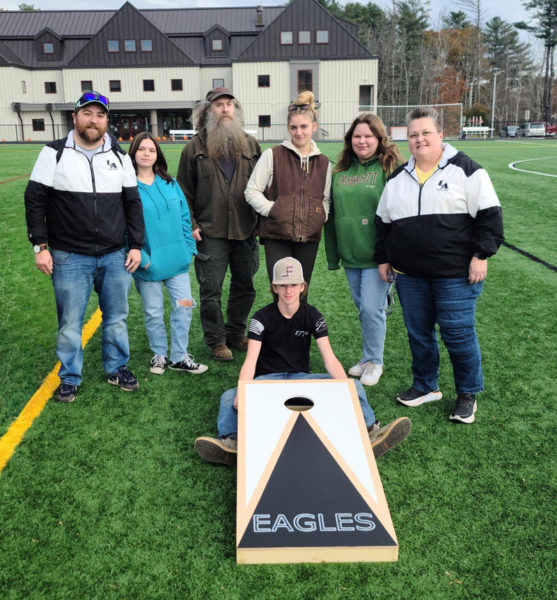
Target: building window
322,37
129,45
286,38
264,120
304,37
305,81
113,46
23,87
216,45
263,81
218,83
115,85
38,124
49,87
366,97
176,85
48,48
86,85
148,85
146,45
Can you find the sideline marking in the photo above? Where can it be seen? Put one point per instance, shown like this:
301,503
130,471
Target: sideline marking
15,178
516,162
10,440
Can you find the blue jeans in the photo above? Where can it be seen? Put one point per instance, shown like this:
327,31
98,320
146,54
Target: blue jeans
73,278
227,421
369,293
451,303
179,289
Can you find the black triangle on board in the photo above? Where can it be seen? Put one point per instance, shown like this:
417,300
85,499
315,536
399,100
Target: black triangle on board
310,502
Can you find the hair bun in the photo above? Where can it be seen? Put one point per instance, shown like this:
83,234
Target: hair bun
306,97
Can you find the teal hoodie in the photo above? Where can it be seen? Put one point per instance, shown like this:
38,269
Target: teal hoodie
350,229
169,245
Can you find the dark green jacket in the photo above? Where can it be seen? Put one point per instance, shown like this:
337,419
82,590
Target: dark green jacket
217,206
350,229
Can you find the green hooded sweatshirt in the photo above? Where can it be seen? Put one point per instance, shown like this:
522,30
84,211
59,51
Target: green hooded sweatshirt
350,229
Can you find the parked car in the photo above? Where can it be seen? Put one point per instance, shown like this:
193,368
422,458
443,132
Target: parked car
536,129
509,131
550,129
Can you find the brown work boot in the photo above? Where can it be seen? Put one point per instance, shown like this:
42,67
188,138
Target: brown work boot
217,451
222,353
384,438
240,342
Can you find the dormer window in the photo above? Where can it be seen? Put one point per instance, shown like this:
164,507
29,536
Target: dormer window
322,36
286,38
216,45
304,37
129,45
113,46
48,48
146,45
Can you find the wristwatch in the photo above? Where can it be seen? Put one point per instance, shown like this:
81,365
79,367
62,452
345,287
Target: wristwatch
39,248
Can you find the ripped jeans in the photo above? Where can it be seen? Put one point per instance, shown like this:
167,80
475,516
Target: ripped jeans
179,290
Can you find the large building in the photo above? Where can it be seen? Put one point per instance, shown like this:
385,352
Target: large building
154,65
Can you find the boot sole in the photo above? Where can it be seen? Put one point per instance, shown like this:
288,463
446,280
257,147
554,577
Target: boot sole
429,397
214,451
397,432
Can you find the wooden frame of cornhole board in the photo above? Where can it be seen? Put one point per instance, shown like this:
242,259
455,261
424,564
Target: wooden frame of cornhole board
308,489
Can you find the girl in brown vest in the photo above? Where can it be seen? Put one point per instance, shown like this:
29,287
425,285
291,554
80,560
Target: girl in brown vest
290,189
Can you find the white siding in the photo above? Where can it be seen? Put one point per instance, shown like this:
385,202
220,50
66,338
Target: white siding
206,79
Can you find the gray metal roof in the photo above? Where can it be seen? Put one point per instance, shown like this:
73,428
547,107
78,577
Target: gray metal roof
64,23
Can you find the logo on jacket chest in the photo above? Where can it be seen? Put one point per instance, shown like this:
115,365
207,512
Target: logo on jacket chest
442,186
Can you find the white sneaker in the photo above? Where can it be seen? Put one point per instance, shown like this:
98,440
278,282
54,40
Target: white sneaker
372,373
158,364
357,370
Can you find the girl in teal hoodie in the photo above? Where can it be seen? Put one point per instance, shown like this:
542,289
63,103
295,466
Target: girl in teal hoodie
165,258
358,180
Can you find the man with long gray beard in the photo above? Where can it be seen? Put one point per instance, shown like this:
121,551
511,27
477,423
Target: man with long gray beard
213,173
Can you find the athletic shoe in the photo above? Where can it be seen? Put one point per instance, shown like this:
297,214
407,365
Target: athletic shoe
217,451
384,438
66,392
158,364
358,369
371,374
465,408
414,397
222,353
124,379
240,342
188,365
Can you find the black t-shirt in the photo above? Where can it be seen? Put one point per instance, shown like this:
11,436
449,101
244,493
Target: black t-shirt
285,342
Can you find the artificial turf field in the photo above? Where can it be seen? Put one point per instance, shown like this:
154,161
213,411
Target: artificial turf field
106,498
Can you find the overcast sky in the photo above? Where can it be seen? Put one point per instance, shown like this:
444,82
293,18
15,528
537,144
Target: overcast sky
508,10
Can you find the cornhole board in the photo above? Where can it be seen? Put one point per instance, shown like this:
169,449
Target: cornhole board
308,489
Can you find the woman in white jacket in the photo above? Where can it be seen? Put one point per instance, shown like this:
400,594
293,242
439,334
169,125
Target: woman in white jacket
290,189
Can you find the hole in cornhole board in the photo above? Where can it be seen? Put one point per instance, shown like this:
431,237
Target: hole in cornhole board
299,403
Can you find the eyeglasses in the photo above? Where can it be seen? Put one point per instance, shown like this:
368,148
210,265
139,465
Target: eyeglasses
426,134
294,107
89,97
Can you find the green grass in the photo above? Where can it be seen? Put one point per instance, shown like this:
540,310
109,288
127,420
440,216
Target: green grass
106,498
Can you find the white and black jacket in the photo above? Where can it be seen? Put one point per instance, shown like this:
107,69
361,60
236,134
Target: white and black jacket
433,230
81,205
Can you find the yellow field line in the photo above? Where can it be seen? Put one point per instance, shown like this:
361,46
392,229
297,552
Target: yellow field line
34,407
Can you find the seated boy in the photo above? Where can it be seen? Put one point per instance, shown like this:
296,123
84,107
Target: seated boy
279,346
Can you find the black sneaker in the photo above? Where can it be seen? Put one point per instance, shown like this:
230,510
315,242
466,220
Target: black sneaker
188,365
465,408
414,397
66,392
124,379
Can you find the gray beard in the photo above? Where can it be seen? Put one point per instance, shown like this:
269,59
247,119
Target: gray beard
225,138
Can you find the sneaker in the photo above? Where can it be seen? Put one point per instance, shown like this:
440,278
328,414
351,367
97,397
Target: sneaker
240,342
371,374
158,364
188,365
414,397
124,379
66,392
358,369
384,438
217,451
222,353
465,408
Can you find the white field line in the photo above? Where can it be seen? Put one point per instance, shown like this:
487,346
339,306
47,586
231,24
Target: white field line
517,162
